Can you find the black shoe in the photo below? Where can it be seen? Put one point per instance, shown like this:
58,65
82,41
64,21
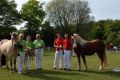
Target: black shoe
60,68
65,69
54,68
69,69
37,69
40,69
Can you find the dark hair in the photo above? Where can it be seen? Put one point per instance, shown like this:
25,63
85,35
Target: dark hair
58,34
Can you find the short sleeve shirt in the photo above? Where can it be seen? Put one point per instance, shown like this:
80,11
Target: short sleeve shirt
38,43
28,44
21,43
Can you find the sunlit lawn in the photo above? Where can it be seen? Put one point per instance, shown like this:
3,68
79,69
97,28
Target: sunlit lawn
48,73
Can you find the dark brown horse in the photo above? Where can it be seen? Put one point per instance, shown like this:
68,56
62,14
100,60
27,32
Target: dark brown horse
83,48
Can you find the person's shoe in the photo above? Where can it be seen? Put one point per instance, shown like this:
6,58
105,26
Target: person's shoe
65,69
60,68
54,68
69,69
40,68
19,72
37,68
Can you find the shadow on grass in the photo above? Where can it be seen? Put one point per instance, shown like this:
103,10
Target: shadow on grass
51,74
111,73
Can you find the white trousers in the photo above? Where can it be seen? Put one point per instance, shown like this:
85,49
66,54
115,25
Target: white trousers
57,55
38,58
67,59
21,58
28,60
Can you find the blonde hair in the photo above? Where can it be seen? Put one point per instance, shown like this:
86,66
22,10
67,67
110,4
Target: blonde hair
21,35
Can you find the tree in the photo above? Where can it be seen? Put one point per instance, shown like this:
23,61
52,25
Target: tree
48,33
9,17
64,13
100,30
33,13
114,33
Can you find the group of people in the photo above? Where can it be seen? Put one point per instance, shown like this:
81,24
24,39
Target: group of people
64,51
27,48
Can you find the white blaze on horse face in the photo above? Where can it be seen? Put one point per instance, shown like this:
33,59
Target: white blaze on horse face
74,45
80,39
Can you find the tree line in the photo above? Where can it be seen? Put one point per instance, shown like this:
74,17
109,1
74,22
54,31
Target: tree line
64,16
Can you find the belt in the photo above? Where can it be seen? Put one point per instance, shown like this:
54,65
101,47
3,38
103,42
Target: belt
38,48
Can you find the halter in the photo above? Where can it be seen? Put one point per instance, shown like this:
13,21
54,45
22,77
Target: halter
79,40
12,41
13,37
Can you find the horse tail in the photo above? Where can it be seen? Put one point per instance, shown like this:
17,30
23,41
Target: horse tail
104,58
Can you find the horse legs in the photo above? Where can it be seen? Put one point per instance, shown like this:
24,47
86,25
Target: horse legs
11,70
0,60
7,63
84,60
14,65
101,59
79,62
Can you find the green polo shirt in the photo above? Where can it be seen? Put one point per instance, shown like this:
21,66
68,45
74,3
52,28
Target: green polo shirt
38,43
21,43
28,44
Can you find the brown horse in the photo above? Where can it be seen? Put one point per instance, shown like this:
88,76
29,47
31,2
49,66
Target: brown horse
8,48
83,47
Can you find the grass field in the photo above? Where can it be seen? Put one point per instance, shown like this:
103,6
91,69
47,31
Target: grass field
48,73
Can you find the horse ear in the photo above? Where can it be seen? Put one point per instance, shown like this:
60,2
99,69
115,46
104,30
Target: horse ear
10,33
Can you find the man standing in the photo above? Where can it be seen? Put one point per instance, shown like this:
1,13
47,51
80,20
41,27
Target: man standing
38,47
67,45
58,44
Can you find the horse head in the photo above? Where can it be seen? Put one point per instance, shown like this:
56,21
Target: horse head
78,40
74,41
14,39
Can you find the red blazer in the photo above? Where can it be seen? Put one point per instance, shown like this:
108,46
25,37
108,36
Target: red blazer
58,44
67,44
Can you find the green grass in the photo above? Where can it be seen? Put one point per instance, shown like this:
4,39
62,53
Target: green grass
48,73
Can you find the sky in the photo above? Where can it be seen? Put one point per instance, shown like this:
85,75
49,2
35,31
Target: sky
101,9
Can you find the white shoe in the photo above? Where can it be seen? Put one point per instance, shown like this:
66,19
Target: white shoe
19,72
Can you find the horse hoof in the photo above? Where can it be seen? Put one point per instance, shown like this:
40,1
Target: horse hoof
14,71
100,69
1,67
85,69
78,69
11,71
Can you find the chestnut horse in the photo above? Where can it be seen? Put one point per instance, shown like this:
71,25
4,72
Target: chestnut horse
9,49
83,48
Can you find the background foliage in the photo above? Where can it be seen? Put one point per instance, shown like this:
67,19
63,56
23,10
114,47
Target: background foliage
64,16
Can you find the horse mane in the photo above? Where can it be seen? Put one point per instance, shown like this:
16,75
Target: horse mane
80,39
2,41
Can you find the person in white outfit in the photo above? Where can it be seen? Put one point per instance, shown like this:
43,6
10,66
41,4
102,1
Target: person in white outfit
38,49
58,44
67,46
21,53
